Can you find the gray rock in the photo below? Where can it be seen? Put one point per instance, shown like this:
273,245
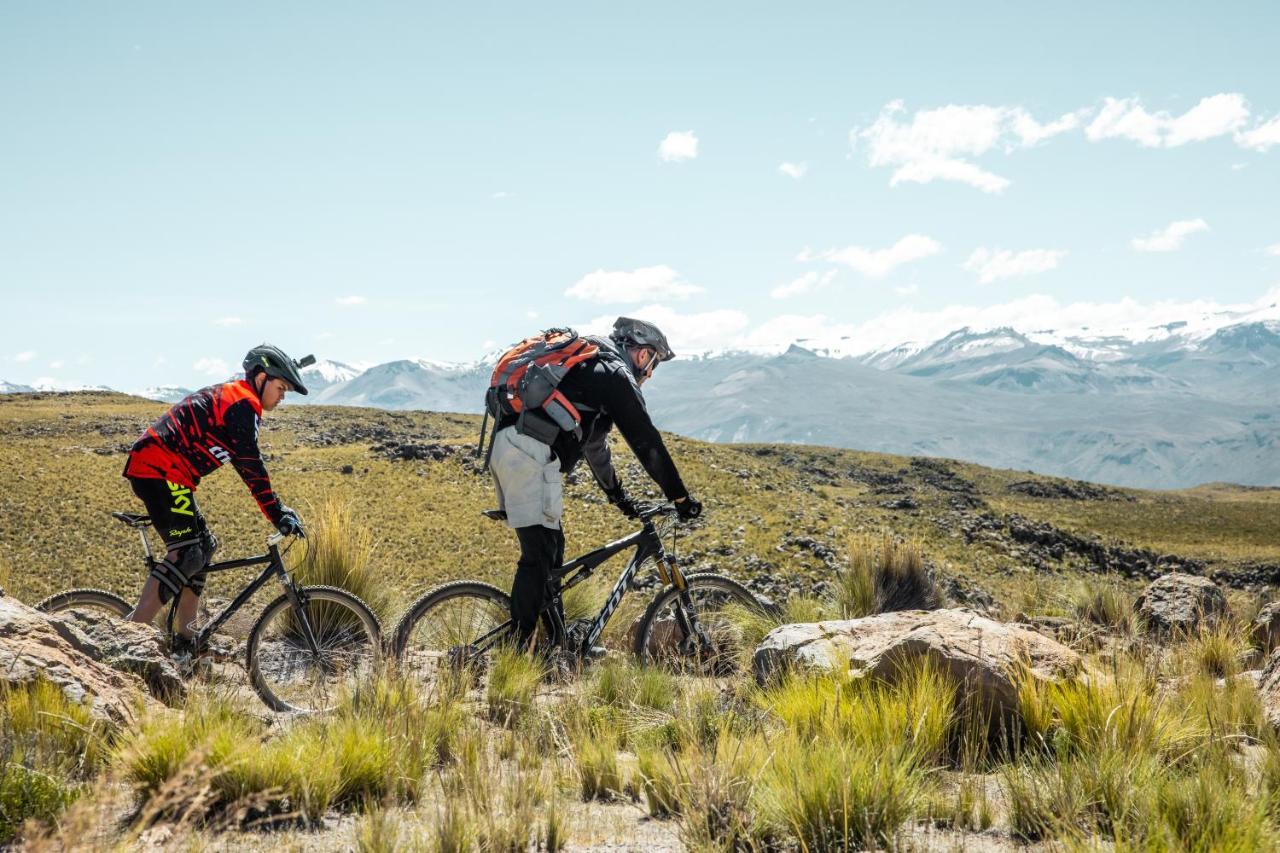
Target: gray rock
1265,629
1179,602
36,646
982,655
127,647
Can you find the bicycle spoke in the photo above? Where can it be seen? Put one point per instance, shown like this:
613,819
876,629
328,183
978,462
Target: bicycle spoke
307,679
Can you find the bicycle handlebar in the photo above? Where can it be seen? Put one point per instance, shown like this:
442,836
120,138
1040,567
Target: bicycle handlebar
648,511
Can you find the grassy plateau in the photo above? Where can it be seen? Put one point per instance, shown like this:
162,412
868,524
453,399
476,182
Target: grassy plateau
1163,746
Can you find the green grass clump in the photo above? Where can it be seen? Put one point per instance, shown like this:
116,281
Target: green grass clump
514,678
623,683
1105,603
884,575
380,745
595,753
50,748
1216,650
841,797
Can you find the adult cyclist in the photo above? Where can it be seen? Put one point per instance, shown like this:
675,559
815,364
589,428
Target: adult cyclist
207,429
528,473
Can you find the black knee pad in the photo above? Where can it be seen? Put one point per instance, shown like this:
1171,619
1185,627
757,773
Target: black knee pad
186,569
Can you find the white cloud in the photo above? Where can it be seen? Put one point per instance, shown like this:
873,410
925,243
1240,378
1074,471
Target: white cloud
660,282
1126,118
1262,137
349,301
685,332
1273,249
531,314
1170,238
794,170
58,364
212,367
678,147
907,290
928,171
500,194
227,322
877,263
25,356
994,264
809,281
937,144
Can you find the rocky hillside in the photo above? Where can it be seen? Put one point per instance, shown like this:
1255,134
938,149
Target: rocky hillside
779,516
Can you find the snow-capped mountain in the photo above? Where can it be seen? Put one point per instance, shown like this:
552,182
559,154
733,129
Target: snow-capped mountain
324,373
163,393
1158,404
1169,406
14,388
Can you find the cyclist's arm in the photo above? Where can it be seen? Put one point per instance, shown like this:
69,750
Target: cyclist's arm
626,407
242,431
599,458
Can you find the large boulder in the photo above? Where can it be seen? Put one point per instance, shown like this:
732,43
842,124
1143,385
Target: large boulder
980,654
34,646
1269,688
1264,631
126,646
1179,602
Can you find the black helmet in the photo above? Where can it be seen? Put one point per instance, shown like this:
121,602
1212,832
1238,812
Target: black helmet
273,362
641,333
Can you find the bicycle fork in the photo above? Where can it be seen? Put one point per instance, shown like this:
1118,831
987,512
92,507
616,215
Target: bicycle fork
298,602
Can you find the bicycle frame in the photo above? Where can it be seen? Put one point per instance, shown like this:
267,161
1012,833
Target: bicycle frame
648,545
274,568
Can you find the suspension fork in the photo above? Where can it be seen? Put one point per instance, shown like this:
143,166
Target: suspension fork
298,601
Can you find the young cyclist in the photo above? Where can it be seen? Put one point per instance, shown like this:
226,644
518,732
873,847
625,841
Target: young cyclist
207,429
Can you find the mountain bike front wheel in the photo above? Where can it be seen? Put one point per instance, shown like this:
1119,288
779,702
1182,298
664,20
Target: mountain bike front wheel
450,627
91,601
707,628
291,676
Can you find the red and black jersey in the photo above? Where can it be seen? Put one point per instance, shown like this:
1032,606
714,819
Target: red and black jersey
200,434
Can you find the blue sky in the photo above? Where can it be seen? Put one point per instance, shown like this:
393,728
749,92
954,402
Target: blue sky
379,180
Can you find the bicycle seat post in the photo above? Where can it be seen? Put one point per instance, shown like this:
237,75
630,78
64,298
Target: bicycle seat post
149,559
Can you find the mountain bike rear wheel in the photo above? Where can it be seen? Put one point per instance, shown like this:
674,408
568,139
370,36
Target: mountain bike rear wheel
708,628
441,629
88,600
288,675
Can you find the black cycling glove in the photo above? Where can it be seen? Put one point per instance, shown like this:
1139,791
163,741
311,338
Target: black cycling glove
618,497
289,523
689,508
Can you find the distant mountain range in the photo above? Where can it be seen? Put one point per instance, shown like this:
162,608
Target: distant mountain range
1159,407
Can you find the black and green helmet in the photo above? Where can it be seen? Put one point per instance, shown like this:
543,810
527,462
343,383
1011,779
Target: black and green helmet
273,362
641,333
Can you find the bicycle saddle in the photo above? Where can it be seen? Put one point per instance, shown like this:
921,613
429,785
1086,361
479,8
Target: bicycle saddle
131,519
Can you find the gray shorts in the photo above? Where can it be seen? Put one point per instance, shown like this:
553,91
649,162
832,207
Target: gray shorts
527,480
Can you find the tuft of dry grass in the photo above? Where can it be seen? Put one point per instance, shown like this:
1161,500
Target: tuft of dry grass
883,575
340,551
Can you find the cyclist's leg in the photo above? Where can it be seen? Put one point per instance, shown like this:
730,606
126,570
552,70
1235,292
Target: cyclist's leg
527,478
189,603
177,519
529,590
553,619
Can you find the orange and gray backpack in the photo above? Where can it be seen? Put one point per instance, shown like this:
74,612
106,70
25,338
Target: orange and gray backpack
524,383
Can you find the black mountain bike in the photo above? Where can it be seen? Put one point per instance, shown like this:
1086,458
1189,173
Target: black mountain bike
695,623
308,645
